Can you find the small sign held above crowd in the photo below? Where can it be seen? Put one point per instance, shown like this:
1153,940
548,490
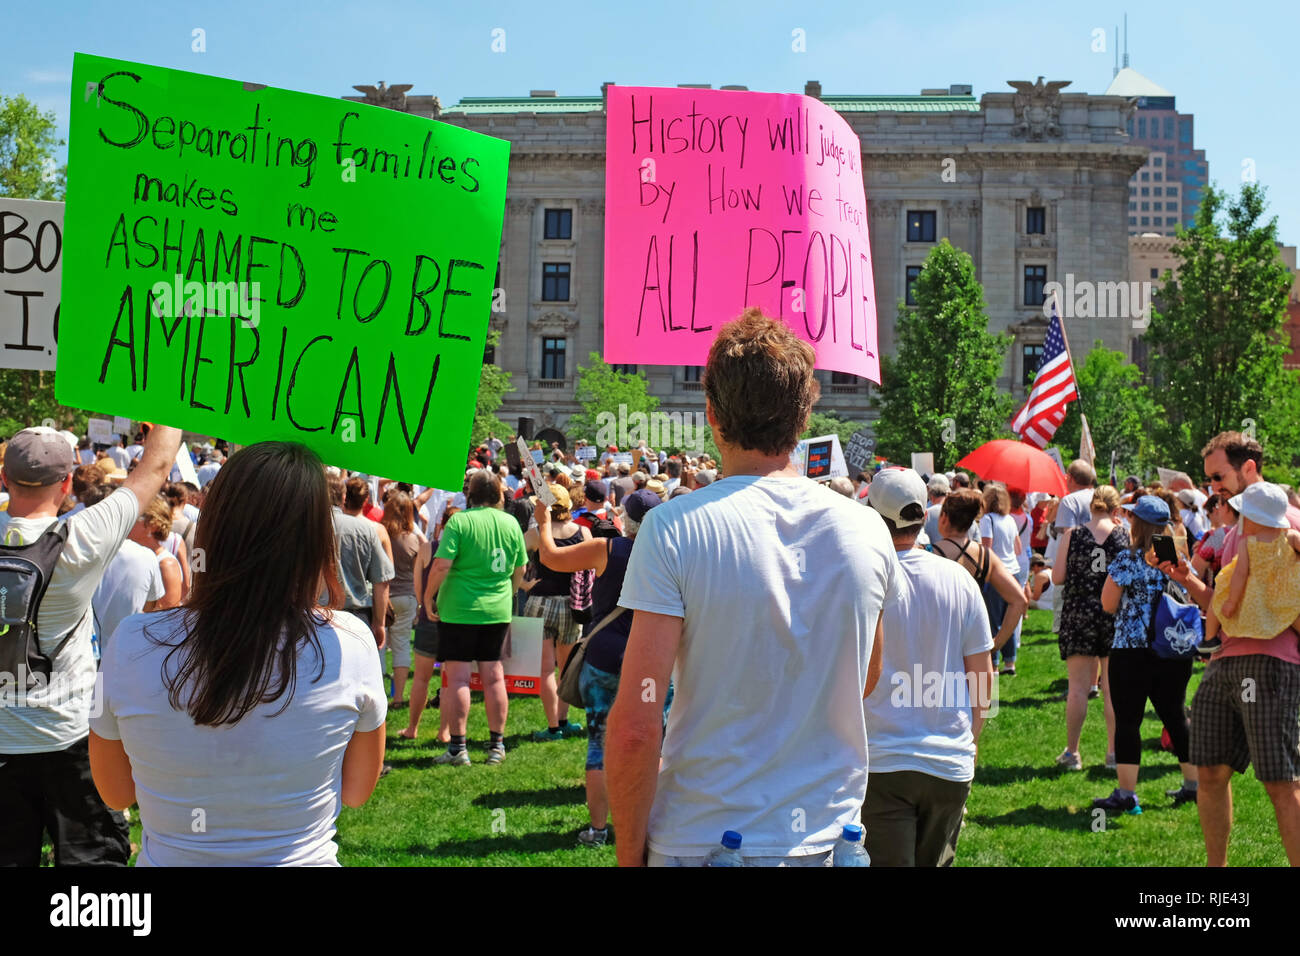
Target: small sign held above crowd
31,271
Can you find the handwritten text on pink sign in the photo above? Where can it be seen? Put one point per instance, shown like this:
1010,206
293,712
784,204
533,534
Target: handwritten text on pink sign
717,200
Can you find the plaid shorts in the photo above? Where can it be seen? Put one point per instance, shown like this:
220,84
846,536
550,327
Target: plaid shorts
1247,711
557,620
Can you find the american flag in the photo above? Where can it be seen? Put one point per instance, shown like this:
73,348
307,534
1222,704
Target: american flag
1052,391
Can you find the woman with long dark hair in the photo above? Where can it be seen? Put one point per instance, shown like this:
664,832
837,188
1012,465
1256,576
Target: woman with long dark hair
244,719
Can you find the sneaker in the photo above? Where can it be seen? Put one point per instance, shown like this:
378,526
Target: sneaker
1094,692
541,736
496,754
593,837
1181,795
1111,764
458,758
570,729
1008,671
1117,803
387,769
1069,761
1208,647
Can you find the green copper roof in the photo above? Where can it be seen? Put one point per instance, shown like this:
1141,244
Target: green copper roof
593,104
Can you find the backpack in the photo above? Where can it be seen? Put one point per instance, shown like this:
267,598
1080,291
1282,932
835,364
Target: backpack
25,572
1176,627
602,527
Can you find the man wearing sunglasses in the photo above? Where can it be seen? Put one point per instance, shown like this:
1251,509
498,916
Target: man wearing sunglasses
1247,708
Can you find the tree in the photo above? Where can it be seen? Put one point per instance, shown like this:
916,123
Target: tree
27,145
493,383
831,423
1216,339
940,393
603,389
1120,412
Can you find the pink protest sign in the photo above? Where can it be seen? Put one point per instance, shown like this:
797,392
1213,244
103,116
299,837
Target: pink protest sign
717,200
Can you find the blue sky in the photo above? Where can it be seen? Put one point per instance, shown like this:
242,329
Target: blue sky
1228,66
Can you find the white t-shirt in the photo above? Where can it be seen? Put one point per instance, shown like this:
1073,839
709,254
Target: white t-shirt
270,787
1026,525
919,715
54,718
132,580
1002,530
119,456
780,586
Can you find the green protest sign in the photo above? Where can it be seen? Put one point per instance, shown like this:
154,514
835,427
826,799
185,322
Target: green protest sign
261,264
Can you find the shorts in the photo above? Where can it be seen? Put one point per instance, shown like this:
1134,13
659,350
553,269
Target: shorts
913,818
471,642
405,608
558,624
598,689
1247,711
54,791
425,641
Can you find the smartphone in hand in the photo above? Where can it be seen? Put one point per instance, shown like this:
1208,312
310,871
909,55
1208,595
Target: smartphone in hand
1164,548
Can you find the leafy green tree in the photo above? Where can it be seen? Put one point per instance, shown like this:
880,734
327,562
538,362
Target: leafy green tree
831,423
1216,336
603,389
27,398
27,144
1120,412
940,393
493,383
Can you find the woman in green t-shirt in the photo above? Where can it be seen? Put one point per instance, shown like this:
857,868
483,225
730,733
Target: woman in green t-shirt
477,569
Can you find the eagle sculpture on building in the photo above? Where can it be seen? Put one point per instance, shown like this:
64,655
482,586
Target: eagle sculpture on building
392,97
1038,108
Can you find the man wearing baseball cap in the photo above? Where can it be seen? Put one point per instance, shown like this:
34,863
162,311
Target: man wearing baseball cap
45,776
922,746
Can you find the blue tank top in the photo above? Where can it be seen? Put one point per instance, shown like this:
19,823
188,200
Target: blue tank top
605,651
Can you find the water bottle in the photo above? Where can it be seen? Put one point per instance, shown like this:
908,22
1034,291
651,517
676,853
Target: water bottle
728,853
850,850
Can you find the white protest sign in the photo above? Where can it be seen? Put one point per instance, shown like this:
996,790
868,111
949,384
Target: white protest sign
923,462
31,272
823,458
185,465
521,657
121,426
540,487
586,452
622,458
1168,475
100,431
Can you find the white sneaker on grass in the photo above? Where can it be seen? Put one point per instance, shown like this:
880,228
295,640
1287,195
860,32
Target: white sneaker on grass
1069,761
459,758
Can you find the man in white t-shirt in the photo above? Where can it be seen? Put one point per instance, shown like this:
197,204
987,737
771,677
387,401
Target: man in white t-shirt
132,583
45,780
920,720
760,594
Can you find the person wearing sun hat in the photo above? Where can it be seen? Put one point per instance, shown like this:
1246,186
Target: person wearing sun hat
1257,593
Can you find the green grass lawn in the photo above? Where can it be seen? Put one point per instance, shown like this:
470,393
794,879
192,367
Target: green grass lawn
1023,810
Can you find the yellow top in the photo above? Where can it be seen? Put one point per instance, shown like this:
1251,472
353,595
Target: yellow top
1271,603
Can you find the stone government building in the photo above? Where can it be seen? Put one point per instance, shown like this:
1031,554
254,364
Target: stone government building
1033,183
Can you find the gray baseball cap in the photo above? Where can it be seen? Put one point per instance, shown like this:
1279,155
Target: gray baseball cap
38,457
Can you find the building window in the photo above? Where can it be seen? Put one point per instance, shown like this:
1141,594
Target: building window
920,226
1132,220
555,282
1130,126
1146,207
844,378
559,224
1146,220
1185,131
1157,190
1036,220
1169,127
1171,207
1146,176
912,273
1035,279
1132,207
624,369
1155,273
692,373
1158,160
1031,356
553,358
1157,177
1142,127
1146,190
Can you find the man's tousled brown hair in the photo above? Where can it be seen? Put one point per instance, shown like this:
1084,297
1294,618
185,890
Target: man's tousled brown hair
759,381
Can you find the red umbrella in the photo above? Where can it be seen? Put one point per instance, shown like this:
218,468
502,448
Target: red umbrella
1016,464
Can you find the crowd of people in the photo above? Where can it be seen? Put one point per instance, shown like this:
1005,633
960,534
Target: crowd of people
217,651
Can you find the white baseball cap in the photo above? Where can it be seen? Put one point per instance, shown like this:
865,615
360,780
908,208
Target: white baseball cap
1264,504
892,490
